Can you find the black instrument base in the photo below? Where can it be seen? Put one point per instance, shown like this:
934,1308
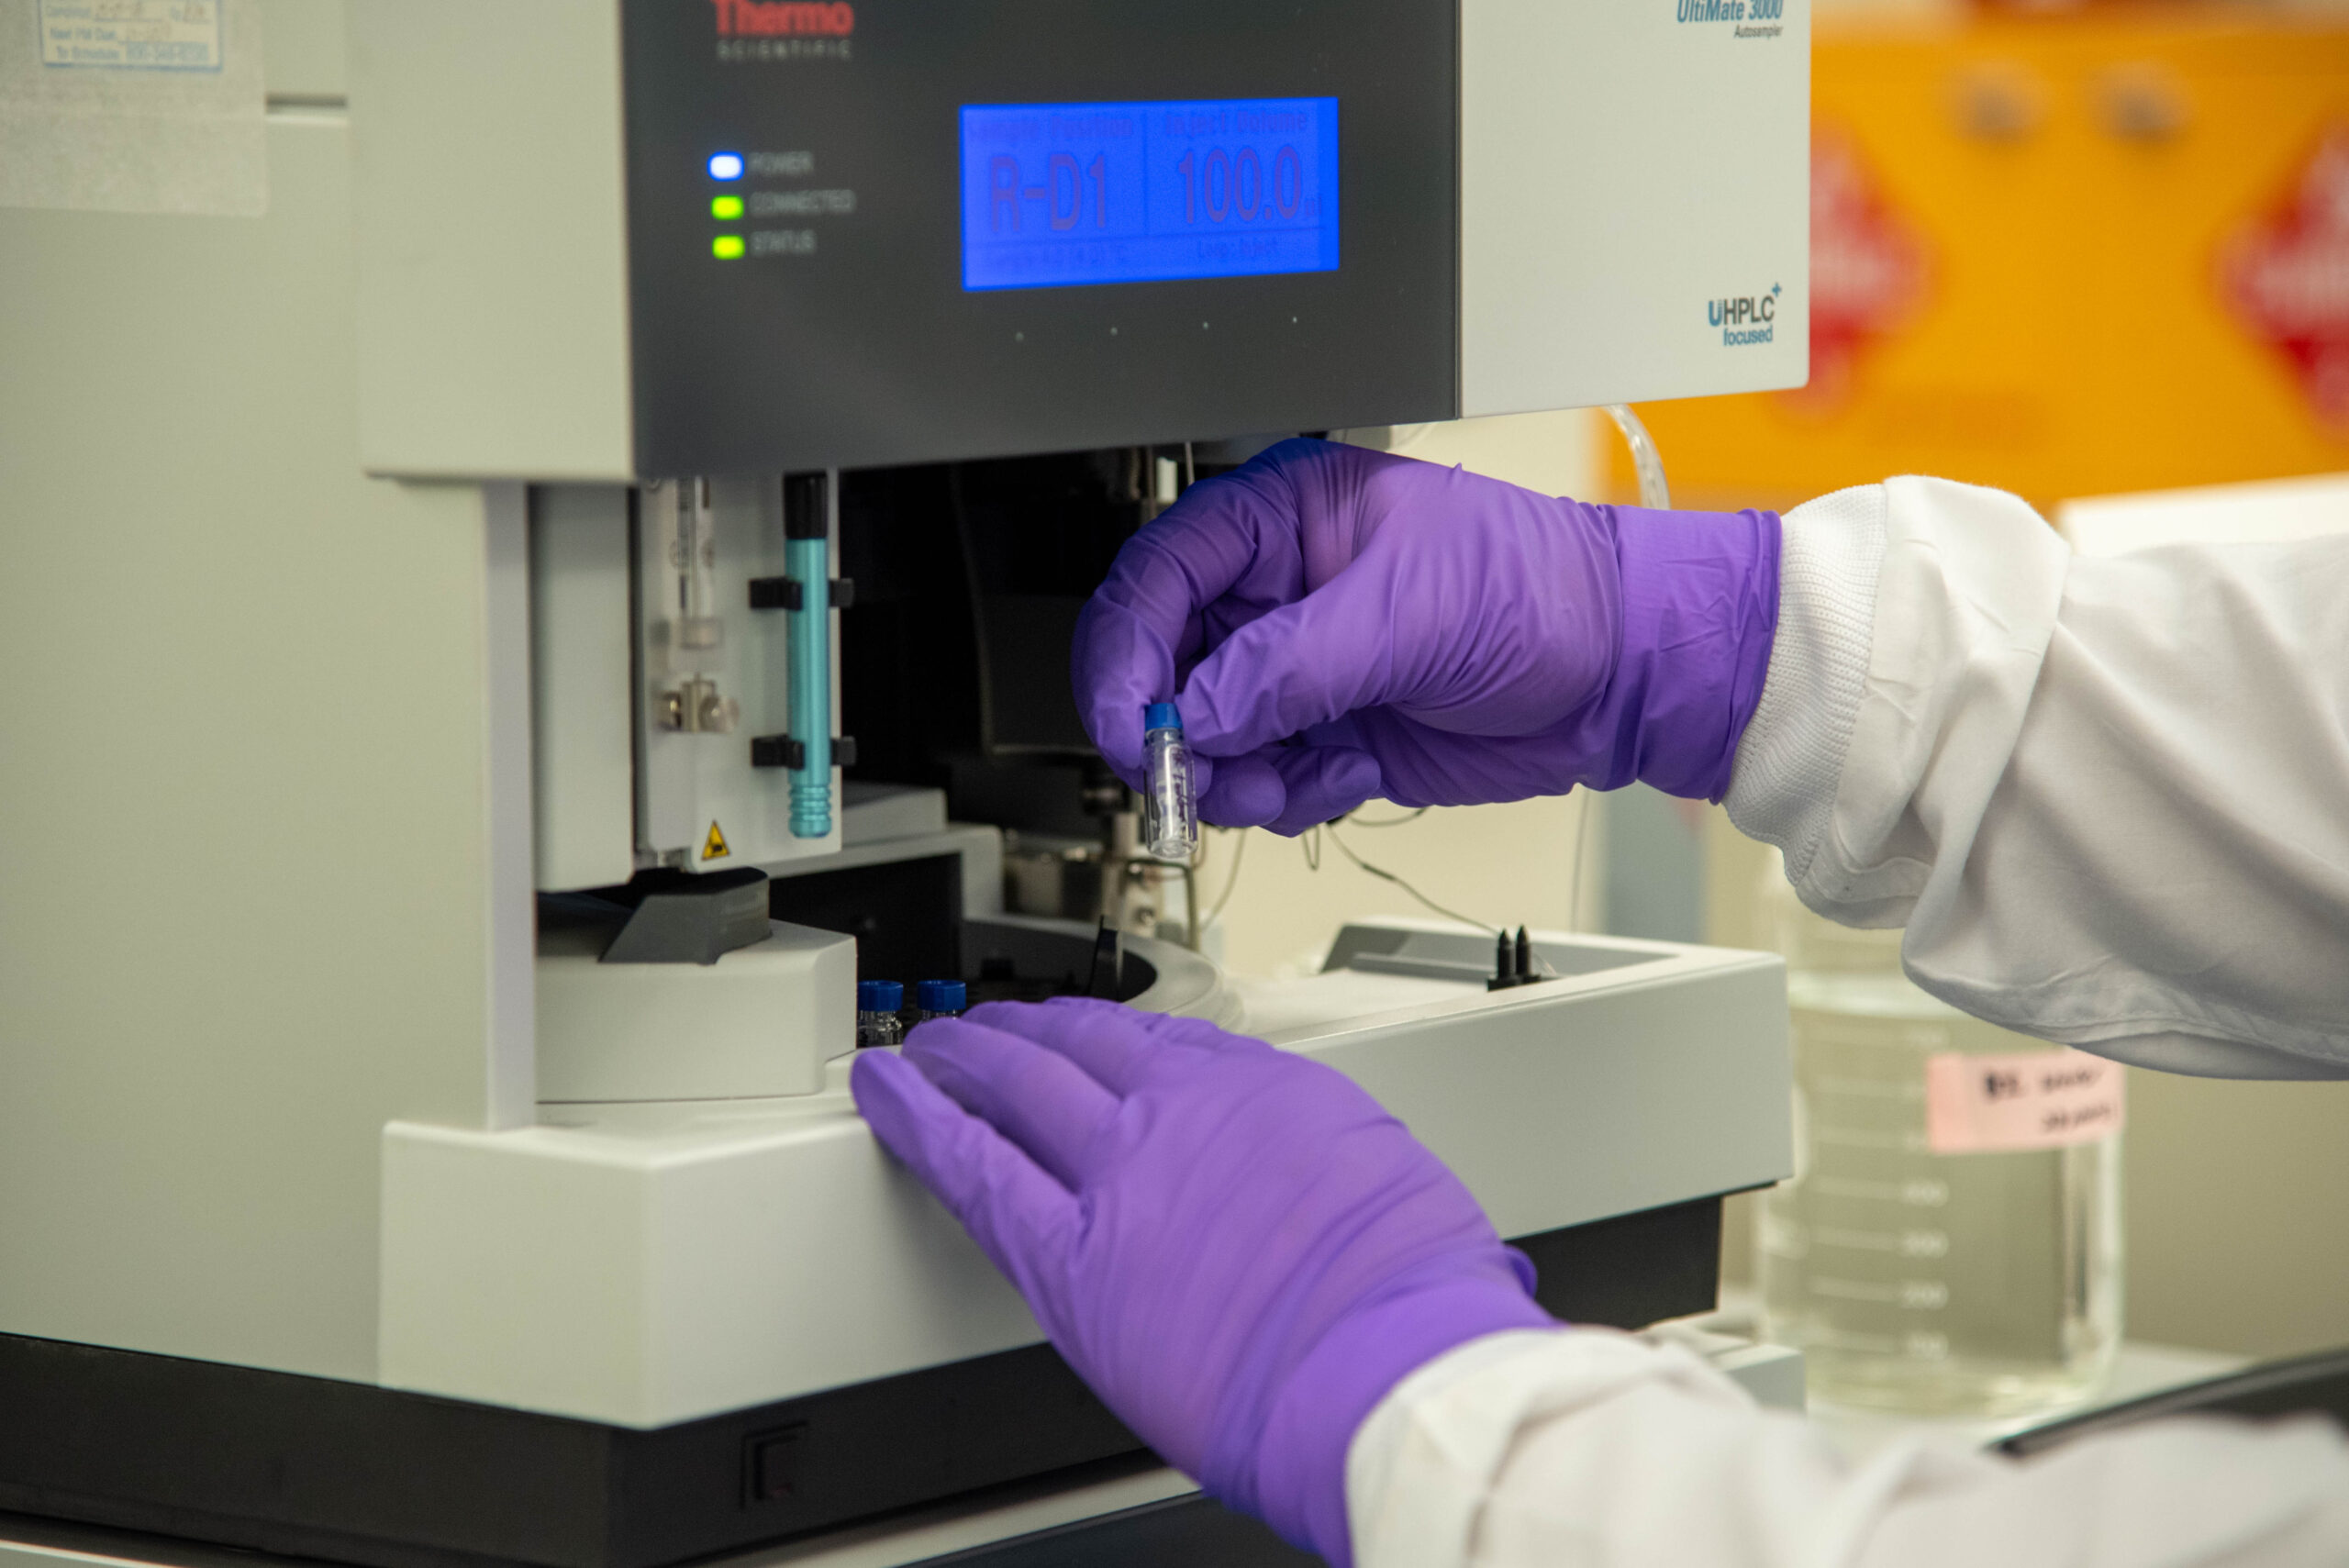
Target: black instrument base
313,1467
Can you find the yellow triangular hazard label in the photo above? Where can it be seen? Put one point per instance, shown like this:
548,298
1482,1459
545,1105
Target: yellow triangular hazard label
714,847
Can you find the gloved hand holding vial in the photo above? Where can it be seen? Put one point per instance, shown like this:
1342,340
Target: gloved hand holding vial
1342,625
1169,809
1944,720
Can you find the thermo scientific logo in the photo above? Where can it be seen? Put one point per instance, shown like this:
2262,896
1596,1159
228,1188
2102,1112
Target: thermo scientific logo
783,19
784,30
1745,318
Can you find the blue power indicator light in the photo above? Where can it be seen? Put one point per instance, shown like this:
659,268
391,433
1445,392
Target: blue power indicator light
725,165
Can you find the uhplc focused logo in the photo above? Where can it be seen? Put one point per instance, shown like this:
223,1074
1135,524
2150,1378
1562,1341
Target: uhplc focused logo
1745,318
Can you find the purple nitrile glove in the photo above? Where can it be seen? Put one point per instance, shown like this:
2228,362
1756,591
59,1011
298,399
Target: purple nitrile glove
1234,1245
1338,625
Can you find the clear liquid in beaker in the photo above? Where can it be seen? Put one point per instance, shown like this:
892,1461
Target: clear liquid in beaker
1979,1283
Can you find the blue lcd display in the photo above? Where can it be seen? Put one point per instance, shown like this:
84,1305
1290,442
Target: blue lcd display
1061,193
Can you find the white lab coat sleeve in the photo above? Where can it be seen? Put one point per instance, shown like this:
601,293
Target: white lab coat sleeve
2108,797
1589,1449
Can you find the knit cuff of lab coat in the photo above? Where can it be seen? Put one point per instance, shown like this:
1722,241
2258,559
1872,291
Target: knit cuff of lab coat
1789,760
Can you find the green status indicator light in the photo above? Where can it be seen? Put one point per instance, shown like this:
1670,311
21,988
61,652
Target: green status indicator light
726,209
726,247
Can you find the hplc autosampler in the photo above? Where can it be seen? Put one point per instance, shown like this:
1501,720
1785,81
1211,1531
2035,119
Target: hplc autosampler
797,367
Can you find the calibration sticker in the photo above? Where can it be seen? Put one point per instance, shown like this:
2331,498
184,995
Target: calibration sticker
2038,1100
131,35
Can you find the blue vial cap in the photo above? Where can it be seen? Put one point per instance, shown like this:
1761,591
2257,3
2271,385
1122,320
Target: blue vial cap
940,996
1161,715
879,995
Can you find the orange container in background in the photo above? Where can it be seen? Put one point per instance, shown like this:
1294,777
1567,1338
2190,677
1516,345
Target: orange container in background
2063,256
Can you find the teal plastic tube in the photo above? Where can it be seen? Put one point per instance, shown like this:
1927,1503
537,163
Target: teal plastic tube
808,562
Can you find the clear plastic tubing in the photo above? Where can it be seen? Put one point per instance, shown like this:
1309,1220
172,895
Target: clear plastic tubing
939,999
877,1004
699,625
1170,812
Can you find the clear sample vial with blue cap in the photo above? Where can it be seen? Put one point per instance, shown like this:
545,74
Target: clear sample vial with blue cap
877,1005
1170,812
939,999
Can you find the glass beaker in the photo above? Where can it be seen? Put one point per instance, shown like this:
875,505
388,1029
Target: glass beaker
1950,1243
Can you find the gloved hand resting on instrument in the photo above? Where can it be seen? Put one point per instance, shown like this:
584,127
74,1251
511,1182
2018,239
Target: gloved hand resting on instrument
1234,1245
1339,625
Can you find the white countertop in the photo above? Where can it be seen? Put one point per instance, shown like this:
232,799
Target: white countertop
2138,1369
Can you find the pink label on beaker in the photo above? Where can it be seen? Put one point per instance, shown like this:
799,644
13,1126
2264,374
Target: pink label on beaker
2040,1100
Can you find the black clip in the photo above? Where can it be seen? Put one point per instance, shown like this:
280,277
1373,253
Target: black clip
783,752
787,594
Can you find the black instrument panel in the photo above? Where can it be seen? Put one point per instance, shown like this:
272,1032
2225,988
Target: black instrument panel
794,178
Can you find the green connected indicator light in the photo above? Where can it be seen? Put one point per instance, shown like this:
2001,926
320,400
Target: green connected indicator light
726,247
726,209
